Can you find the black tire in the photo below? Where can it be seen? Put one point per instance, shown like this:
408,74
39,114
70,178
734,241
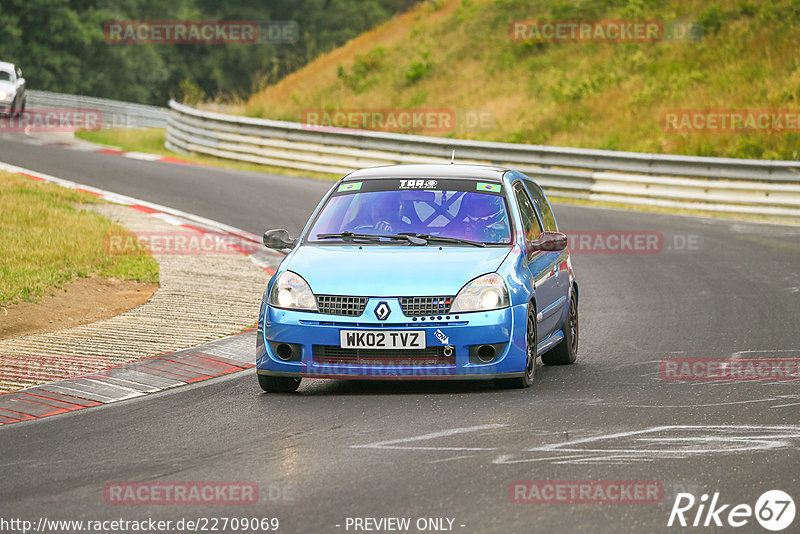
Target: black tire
566,352
531,339
279,384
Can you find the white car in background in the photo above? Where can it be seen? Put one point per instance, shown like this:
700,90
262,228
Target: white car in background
12,89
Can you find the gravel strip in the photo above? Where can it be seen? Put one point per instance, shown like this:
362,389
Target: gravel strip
201,298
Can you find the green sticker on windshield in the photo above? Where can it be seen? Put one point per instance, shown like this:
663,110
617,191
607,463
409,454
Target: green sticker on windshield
491,188
353,186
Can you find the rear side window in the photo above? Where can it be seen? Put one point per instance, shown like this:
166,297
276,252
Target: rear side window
539,199
529,220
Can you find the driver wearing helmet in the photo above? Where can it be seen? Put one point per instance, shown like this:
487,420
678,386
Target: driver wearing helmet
385,214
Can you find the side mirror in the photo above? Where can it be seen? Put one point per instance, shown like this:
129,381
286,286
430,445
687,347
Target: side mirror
549,242
278,239
20,82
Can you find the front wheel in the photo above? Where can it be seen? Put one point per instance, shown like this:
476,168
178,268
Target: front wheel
531,340
566,352
278,384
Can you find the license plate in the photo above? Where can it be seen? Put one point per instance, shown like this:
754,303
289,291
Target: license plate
383,339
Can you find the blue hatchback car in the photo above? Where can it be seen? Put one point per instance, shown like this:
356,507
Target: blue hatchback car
421,272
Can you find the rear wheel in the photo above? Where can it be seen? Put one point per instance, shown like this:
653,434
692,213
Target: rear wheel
530,351
566,352
278,384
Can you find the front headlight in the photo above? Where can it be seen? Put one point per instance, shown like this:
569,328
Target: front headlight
291,292
4,95
487,292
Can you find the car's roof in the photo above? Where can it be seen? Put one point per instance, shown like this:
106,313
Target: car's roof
6,65
477,172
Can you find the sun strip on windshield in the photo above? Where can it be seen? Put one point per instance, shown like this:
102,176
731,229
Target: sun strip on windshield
419,184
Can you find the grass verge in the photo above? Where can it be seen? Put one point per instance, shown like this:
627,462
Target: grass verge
46,240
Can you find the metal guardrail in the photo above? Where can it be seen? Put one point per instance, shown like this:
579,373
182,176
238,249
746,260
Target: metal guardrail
116,114
763,187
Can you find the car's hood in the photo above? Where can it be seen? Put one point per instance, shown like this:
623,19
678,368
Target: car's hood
387,271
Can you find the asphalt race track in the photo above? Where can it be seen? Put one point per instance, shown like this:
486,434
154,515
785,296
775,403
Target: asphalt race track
338,450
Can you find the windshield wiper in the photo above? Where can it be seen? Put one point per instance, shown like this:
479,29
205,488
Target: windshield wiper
351,236
443,239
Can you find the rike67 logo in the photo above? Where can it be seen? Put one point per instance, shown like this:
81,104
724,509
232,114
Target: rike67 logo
774,510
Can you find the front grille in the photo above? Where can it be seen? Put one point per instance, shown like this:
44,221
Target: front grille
339,305
419,306
427,356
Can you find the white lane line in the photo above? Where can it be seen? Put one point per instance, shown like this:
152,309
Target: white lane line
142,156
461,457
170,219
611,459
738,353
507,458
690,405
680,441
560,446
734,437
393,443
724,428
570,459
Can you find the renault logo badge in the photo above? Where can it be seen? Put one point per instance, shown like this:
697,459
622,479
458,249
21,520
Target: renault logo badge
382,311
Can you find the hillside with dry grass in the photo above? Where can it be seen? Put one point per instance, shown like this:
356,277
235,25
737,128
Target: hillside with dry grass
459,55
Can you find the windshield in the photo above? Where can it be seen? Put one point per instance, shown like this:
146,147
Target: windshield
5,76
450,208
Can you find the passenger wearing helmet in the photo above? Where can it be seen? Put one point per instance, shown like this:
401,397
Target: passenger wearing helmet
482,219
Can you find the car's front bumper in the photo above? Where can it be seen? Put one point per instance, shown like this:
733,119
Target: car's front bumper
504,328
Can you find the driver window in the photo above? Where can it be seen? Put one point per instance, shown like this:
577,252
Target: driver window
529,220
